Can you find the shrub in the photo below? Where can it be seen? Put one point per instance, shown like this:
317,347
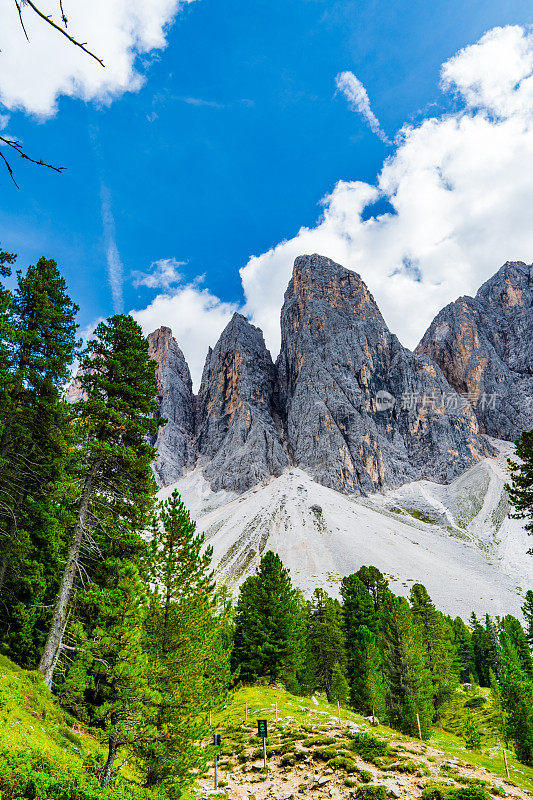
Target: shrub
461,793
476,702
369,747
324,753
319,741
372,793
340,762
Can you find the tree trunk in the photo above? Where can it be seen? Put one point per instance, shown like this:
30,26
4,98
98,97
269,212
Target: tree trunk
114,744
54,640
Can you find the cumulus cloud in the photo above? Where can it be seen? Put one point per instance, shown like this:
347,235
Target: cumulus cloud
162,274
196,317
118,32
357,96
459,195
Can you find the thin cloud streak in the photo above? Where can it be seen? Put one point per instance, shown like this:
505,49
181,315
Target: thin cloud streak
357,96
115,268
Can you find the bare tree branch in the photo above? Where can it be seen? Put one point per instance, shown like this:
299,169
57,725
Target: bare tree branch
6,162
17,147
61,30
21,20
14,143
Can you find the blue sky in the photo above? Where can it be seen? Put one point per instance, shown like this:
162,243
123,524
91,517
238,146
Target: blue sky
236,135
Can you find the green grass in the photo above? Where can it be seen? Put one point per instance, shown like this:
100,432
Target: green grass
39,736
42,756
317,719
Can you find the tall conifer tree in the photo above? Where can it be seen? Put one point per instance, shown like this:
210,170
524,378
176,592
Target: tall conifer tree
268,639
115,418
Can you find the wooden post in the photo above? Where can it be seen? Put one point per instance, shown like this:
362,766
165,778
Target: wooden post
246,712
505,762
276,710
339,710
373,717
419,728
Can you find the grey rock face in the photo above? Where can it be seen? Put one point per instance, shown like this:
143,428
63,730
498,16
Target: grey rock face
484,346
353,396
237,433
175,440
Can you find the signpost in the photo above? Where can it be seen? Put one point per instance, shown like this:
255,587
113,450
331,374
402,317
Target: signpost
262,731
217,741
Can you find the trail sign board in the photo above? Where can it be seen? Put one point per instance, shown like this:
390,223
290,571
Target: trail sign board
262,728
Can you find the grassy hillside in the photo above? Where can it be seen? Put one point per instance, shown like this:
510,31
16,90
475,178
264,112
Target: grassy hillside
44,754
311,753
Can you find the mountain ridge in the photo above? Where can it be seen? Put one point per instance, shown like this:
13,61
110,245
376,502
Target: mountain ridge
344,400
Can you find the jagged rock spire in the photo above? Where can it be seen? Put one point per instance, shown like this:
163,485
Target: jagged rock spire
174,441
484,346
236,422
356,403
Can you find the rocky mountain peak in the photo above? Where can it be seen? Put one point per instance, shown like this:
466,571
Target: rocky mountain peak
510,288
236,420
483,345
356,403
174,441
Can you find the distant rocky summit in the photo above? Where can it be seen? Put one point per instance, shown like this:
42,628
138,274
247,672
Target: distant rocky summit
484,346
174,443
238,431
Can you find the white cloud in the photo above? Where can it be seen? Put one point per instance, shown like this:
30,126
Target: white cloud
4,119
460,193
115,269
162,274
357,96
116,30
196,317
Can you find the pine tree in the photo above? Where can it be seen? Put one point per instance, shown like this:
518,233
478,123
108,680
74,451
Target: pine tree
464,651
6,334
375,583
186,639
518,637
471,734
115,419
479,646
326,639
340,689
361,631
109,683
268,629
409,685
35,442
517,700
521,487
437,638
527,611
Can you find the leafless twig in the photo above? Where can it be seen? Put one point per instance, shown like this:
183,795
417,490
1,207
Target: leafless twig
50,21
17,147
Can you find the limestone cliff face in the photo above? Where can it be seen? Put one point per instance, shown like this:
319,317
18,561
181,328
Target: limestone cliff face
484,346
237,434
175,440
361,412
